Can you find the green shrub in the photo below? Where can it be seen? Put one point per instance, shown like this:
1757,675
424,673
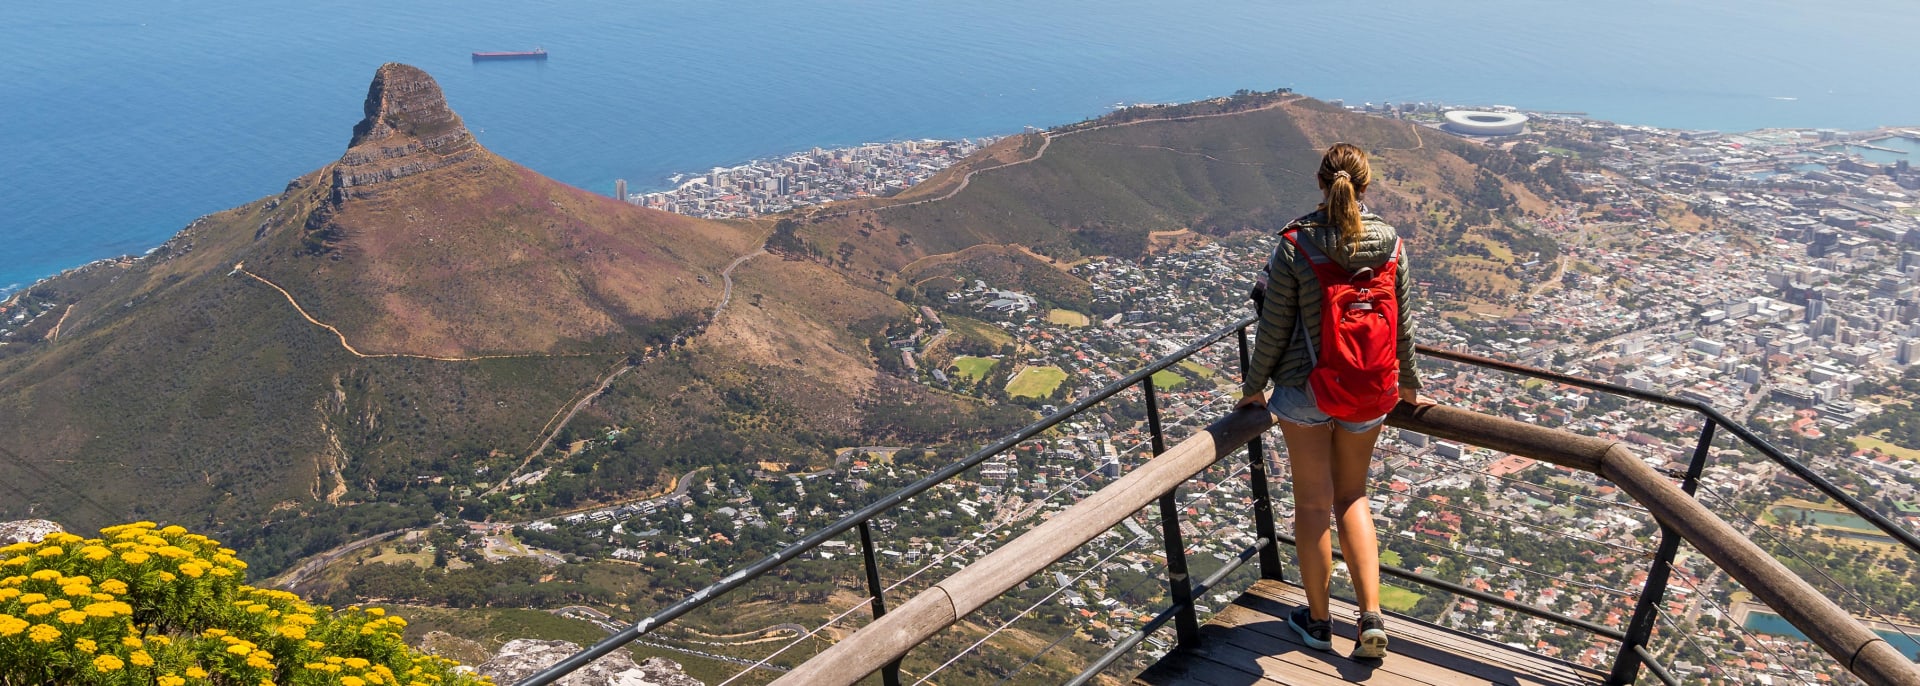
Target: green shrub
146,605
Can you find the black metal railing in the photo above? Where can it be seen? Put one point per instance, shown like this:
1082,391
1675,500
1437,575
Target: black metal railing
1632,655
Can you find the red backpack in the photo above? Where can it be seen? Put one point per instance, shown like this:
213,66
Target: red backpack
1356,362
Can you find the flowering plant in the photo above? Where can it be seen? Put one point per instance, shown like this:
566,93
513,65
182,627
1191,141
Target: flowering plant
148,605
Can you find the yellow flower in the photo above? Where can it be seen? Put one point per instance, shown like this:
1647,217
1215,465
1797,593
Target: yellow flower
376,611
134,557
357,662
315,645
107,663
40,609
141,658
131,642
352,681
396,621
46,575
96,553
7,594
173,530
86,645
60,603
256,608
214,633
196,673
167,577
257,662
77,590
72,617
31,598
43,633
170,680
293,631
51,551
238,649
172,552
114,586
160,640
192,570
11,625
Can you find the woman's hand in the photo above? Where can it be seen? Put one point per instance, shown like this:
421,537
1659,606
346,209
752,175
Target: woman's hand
1258,398
1412,396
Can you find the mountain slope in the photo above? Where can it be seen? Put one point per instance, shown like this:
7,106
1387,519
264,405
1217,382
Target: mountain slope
1102,187
184,387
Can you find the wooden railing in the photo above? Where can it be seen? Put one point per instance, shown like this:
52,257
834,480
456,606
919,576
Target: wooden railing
884,641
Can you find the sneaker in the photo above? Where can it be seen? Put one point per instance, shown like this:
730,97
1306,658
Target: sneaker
1373,637
1316,633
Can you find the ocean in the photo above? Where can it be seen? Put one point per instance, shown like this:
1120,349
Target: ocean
121,121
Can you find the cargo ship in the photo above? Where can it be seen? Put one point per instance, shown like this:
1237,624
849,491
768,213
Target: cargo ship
534,54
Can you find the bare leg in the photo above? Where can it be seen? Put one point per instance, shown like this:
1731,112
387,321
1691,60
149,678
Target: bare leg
1310,454
1352,456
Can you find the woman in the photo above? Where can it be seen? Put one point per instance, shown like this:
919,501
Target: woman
1329,458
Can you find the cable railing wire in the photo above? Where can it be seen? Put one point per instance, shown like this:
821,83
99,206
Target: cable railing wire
796,641
1706,658
1459,468
1524,570
1030,608
1536,527
1192,545
1818,569
1722,611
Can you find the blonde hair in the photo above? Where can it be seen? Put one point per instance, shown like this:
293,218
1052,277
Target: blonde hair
1343,177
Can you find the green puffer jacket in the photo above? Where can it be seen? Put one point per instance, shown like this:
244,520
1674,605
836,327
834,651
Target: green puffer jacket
1293,297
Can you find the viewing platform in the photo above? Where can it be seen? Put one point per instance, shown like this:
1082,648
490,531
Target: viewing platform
1249,642
1622,632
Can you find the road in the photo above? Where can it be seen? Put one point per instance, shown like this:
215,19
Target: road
294,577
606,623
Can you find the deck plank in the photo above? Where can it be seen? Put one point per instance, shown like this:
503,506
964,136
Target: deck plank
1248,643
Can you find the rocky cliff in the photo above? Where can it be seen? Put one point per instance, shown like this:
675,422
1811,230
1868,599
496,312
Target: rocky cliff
521,658
408,130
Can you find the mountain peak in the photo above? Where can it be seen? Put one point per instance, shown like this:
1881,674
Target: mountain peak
408,129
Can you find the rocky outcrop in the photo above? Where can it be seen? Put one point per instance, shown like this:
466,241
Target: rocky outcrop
521,658
408,130
26,530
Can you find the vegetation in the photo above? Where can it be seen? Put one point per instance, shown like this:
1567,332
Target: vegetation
1036,382
974,368
142,605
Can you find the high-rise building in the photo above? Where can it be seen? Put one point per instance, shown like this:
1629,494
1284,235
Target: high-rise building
620,190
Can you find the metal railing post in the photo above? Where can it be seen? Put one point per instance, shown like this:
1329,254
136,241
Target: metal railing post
1179,585
1270,566
1646,613
890,674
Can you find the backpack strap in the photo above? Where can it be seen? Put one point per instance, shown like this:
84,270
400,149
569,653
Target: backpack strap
1300,328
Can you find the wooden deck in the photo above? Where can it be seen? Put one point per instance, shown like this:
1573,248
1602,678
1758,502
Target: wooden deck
1249,643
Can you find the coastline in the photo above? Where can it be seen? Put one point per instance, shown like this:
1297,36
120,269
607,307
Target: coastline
690,179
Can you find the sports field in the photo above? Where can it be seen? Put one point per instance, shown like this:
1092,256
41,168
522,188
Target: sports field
1036,382
1068,318
974,368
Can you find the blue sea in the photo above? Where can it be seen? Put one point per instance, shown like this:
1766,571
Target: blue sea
121,121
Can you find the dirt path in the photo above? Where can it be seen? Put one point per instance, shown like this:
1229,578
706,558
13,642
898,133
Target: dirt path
1047,141
55,333
240,268
553,430
726,276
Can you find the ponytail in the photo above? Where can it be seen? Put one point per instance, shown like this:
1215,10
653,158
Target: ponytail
1344,174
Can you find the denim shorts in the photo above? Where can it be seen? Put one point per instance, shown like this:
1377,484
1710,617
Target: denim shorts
1295,404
